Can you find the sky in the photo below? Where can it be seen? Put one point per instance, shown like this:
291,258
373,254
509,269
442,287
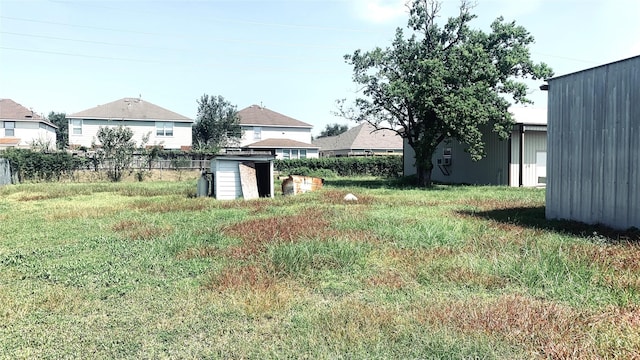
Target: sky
69,56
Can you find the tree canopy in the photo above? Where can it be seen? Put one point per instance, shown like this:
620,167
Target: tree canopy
444,81
217,124
333,130
62,132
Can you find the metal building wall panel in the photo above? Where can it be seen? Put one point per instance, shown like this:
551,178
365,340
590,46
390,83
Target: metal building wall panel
491,170
594,145
534,141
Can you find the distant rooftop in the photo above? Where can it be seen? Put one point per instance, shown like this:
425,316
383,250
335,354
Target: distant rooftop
261,116
11,110
130,109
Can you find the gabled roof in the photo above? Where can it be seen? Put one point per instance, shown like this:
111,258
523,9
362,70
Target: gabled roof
11,110
363,136
280,143
260,116
129,109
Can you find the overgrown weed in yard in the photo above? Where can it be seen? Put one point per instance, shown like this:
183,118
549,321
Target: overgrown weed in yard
545,329
137,230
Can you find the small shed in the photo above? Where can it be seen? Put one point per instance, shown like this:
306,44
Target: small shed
594,147
247,176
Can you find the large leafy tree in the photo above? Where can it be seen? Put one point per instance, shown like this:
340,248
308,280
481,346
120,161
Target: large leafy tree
62,132
333,130
444,81
217,124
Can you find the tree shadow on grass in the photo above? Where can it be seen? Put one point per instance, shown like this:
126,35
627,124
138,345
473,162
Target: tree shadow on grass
534,217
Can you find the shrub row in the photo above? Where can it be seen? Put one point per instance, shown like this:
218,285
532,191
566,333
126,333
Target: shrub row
33,165
384,166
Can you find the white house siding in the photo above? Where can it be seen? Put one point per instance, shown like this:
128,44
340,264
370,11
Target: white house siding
593,167
535,144
275,132
181,132
30,131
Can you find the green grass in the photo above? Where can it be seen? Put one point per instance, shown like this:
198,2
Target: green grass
145,270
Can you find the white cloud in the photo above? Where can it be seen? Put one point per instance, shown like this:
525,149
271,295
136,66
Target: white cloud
379,11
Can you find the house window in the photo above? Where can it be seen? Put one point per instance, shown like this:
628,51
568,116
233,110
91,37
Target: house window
257,133
76,126
9,127
292,153
164,129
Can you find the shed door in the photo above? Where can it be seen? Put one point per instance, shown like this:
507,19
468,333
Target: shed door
541,167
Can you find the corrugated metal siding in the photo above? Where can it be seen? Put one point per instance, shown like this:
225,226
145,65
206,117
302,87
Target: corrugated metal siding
226,180
594,145
492,170
534,142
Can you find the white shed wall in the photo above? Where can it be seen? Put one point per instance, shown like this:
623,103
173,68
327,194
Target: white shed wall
594,146
226,180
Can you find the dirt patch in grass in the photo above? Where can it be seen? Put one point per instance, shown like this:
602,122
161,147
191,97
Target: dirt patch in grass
544,328
137,230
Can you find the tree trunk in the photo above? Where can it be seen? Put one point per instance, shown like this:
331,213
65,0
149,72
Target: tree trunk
424,165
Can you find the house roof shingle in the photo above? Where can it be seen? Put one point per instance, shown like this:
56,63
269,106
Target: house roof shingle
363,136
280,143
130,109
261,116
11,110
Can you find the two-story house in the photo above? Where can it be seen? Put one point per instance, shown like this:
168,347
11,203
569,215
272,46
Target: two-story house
21,127
163,127
283,136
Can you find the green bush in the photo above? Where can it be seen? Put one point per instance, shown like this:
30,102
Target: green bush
33,165
384,166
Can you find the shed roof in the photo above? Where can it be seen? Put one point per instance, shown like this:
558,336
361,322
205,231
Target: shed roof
261,116
529,115
130,109
637,57
363,136
11,110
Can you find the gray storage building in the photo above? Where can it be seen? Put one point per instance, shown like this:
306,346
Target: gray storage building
593,163
518,161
